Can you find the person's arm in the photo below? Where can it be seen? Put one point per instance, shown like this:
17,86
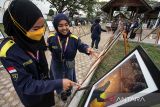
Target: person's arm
82,47
25,82
91,29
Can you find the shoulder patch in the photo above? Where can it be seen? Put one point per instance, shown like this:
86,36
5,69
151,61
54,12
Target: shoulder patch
51,35
74,36
6,47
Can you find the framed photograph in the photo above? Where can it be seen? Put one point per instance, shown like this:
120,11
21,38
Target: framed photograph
50,26
1,35
130,82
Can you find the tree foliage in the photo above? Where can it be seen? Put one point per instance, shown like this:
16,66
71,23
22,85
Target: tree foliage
73,6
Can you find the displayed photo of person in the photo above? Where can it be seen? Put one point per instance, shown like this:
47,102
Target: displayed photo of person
130,79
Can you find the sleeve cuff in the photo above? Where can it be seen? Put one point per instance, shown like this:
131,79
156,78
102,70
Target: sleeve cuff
58,84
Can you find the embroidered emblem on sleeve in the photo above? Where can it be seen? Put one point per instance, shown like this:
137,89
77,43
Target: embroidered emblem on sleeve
13,72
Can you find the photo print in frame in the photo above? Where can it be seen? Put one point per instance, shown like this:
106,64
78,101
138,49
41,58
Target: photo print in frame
130,82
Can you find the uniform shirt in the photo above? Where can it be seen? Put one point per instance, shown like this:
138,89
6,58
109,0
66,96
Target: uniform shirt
26,75
74,44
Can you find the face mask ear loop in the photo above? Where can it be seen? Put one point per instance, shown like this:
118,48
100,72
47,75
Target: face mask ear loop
17,24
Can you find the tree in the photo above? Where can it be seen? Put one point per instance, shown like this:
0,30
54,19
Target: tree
73,6
98,10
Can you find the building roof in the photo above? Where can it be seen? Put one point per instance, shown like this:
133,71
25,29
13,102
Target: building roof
153,14
132,5
120,15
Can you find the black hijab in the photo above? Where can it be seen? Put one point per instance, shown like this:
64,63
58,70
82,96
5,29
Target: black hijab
26,14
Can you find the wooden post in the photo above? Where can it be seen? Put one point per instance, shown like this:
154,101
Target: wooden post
110,14
158,37
125,42
131,15
137,9
140,35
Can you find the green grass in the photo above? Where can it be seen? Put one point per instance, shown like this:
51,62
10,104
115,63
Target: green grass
115,55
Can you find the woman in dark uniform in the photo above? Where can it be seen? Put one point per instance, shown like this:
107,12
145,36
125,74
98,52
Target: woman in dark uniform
22,54
64,45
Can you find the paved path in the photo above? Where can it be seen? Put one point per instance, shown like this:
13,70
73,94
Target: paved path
8,96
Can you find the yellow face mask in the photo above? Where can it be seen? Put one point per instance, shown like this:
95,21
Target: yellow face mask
36,35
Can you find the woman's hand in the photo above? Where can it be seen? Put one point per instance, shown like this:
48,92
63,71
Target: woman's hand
92,52
68,83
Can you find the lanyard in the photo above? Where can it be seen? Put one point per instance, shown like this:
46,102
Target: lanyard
60,44
33,56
